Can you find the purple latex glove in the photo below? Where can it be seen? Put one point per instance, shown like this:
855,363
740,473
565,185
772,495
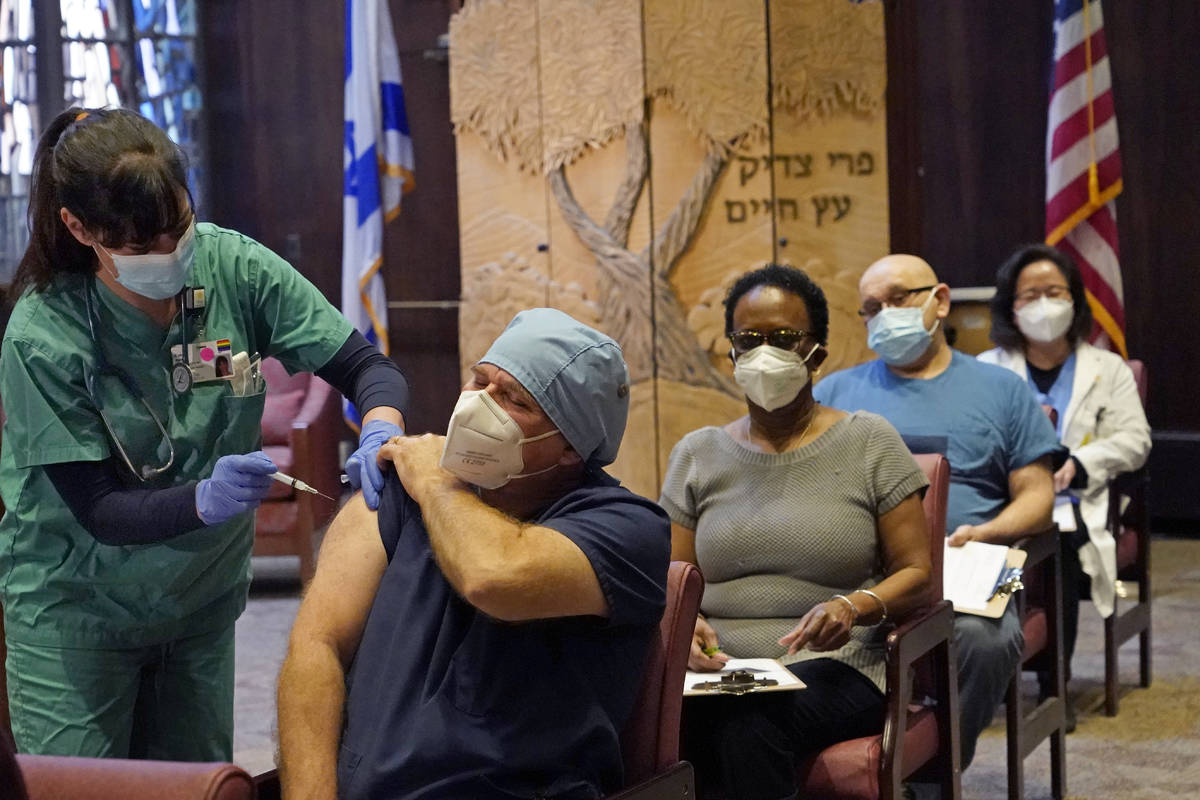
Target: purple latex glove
238,484
362,469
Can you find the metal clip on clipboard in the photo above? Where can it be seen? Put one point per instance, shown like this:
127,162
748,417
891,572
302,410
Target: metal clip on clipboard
739,681
1007,582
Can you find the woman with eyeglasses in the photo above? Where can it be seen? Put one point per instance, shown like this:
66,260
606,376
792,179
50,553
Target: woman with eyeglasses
1041,321
808,526
131,467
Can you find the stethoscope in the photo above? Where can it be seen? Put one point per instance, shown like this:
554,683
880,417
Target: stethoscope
104,367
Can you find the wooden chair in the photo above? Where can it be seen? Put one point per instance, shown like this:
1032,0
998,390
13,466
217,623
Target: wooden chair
1129,522
650,738
301,428
1040,607
918,741
1041,614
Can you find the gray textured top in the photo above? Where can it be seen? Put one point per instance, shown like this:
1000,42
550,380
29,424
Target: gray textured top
778,533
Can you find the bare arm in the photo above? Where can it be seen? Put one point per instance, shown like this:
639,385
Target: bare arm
705,654
507,569
904,539
385,413
1031,488
683,544
323,641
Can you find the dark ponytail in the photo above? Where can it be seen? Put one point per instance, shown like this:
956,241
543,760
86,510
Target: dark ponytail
118,173
50,243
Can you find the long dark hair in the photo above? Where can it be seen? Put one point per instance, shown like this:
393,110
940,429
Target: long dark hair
1004,327
791,280
118,173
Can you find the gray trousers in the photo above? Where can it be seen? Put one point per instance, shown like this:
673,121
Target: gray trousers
988,653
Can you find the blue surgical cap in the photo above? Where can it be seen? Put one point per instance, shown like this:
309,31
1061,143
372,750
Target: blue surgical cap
576,374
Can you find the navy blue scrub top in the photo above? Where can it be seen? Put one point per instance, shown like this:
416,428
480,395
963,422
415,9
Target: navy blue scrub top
446,702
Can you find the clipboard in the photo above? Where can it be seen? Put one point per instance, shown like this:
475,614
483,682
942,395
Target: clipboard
1008,582
757,675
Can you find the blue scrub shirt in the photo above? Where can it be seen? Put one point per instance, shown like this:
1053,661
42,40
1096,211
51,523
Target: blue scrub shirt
445,702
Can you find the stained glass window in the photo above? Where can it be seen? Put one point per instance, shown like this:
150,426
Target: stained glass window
18,127
138,54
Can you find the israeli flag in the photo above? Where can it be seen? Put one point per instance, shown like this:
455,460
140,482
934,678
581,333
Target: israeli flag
378,166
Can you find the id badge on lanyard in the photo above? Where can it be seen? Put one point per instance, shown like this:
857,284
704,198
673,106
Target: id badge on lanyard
209,360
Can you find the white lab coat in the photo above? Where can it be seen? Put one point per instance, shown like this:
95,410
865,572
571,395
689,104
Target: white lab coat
1105,428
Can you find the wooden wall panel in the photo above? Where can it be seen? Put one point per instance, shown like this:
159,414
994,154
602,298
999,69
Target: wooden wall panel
982,116
709,71
978,185
421,256
502,208
829,154
641,214
1156,84
273,82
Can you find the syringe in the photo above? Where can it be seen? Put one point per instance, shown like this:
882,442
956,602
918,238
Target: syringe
296,483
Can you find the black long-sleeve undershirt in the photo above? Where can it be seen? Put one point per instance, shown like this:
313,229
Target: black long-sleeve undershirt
118,515
358,370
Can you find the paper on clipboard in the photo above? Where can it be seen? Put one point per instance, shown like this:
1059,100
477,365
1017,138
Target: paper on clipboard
759,667
971,573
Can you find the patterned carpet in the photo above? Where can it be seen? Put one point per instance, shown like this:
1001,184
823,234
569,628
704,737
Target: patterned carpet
1150,751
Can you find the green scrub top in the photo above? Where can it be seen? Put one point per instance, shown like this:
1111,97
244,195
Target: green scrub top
59,585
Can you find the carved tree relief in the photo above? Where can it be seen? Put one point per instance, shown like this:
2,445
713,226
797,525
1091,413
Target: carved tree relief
544,83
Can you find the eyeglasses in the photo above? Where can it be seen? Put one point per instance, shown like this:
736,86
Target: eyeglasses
896,299
783,338
1053,292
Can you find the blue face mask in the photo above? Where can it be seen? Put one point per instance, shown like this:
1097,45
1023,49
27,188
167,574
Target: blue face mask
157,275
898,335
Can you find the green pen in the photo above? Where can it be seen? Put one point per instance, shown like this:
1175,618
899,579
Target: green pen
711,651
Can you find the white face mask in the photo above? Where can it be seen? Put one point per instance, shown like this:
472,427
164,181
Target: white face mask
772,377
157,275
483,443
1045,319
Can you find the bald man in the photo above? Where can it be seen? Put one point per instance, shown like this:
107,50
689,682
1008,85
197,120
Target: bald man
987,423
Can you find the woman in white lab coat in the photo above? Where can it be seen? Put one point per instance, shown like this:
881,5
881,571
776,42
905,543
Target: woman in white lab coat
1040,320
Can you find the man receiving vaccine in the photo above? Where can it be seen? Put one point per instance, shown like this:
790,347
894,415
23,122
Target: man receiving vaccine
482,635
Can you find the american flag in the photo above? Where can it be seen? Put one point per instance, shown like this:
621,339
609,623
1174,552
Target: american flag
1083,163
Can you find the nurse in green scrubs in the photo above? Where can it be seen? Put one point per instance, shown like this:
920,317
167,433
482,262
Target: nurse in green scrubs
131,467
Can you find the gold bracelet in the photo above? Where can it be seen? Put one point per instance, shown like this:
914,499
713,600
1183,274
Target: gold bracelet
850,603
878,599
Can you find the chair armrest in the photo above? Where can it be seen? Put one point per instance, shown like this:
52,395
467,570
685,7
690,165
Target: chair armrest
267,785
57,777
924,631
677,782
674,783
920,632
1128,482
1039,546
